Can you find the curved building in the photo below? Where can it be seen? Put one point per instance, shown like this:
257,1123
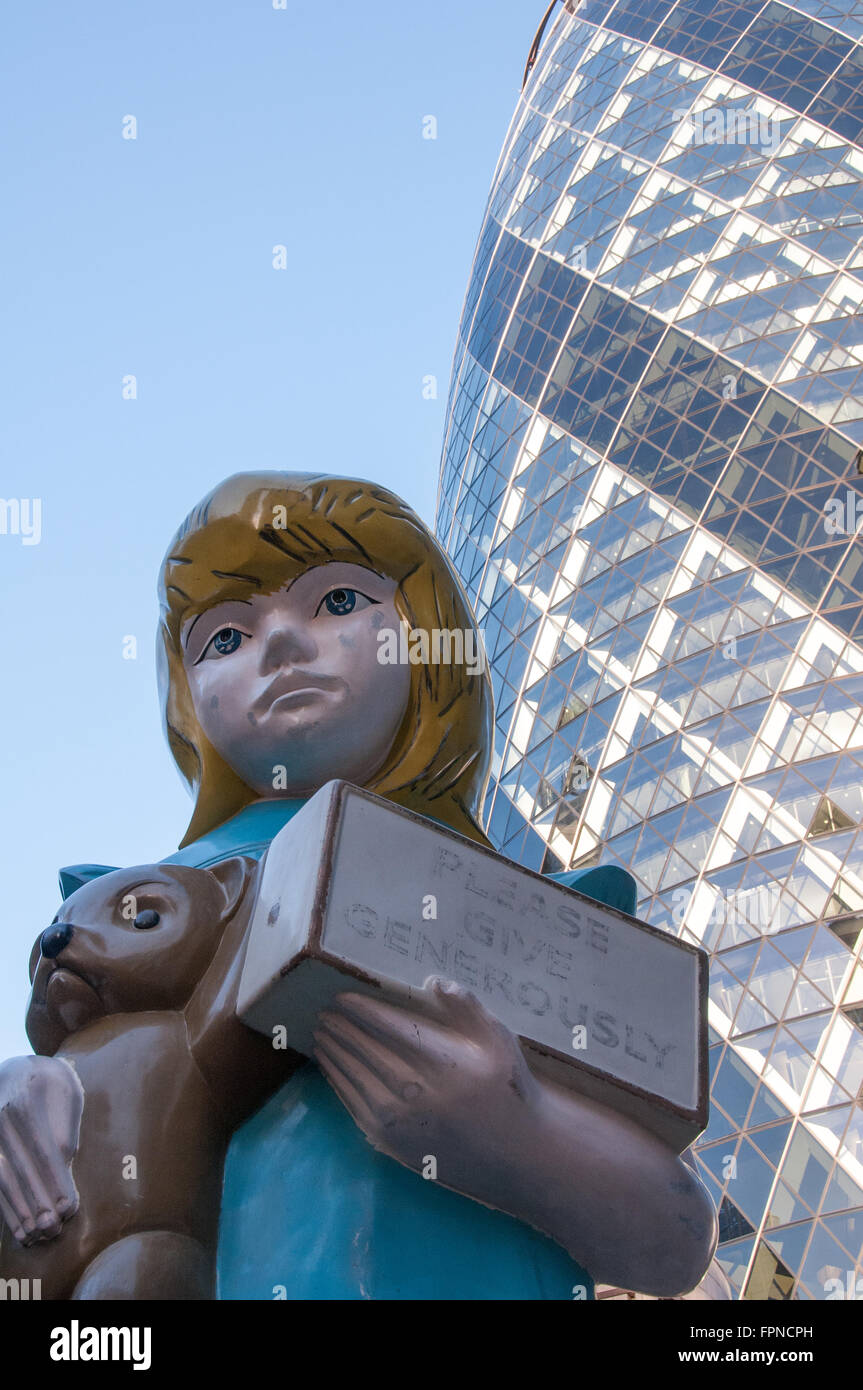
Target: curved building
651,489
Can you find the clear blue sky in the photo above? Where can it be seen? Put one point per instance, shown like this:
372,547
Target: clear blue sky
153,257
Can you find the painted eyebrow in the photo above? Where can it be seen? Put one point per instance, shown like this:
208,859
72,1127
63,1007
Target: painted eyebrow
345,583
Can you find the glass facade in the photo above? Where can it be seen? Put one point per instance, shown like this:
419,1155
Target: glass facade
651,488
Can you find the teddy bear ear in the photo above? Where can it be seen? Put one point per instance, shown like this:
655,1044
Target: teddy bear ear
233,876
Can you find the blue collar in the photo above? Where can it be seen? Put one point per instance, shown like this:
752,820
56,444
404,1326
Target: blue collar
248,832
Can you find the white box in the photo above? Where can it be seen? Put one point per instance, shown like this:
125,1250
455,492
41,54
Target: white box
344,902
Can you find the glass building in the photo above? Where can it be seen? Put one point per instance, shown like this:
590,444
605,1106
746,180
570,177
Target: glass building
651,487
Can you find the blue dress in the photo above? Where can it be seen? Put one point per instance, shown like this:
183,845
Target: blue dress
311,1211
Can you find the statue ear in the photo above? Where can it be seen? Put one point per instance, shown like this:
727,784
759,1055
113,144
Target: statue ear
76,875
233,876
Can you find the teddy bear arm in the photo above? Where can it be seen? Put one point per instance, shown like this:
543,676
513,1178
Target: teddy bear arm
241,1067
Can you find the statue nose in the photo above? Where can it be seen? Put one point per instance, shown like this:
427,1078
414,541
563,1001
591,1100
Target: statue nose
54,938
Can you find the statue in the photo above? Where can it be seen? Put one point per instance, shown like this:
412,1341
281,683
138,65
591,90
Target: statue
274,594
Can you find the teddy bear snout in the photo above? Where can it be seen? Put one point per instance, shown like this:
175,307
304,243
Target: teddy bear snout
55,938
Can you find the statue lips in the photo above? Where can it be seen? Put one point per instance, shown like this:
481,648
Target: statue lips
295,699
291,692
71,1000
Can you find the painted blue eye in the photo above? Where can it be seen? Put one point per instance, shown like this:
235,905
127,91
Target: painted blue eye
340,601
227,640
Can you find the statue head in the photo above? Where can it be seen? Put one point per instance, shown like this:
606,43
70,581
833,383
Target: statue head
280,595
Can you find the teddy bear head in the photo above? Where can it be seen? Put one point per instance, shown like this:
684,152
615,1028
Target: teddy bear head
128,941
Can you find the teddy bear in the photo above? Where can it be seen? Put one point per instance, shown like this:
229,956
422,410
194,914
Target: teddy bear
134,986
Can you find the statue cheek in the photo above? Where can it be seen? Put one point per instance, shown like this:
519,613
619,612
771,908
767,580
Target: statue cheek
216,699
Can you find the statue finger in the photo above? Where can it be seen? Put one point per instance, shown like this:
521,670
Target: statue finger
398,1026
389,1064
347,1093
48,1159
19,1157
461,1010
14,1206
377,1100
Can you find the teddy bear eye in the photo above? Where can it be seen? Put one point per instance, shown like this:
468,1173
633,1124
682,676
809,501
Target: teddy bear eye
145,919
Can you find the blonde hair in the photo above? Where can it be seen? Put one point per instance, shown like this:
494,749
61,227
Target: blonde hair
229,547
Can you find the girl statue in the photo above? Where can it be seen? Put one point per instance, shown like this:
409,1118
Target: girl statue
273,593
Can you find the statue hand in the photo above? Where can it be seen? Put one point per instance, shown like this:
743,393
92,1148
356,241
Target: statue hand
451,1083
41,1102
